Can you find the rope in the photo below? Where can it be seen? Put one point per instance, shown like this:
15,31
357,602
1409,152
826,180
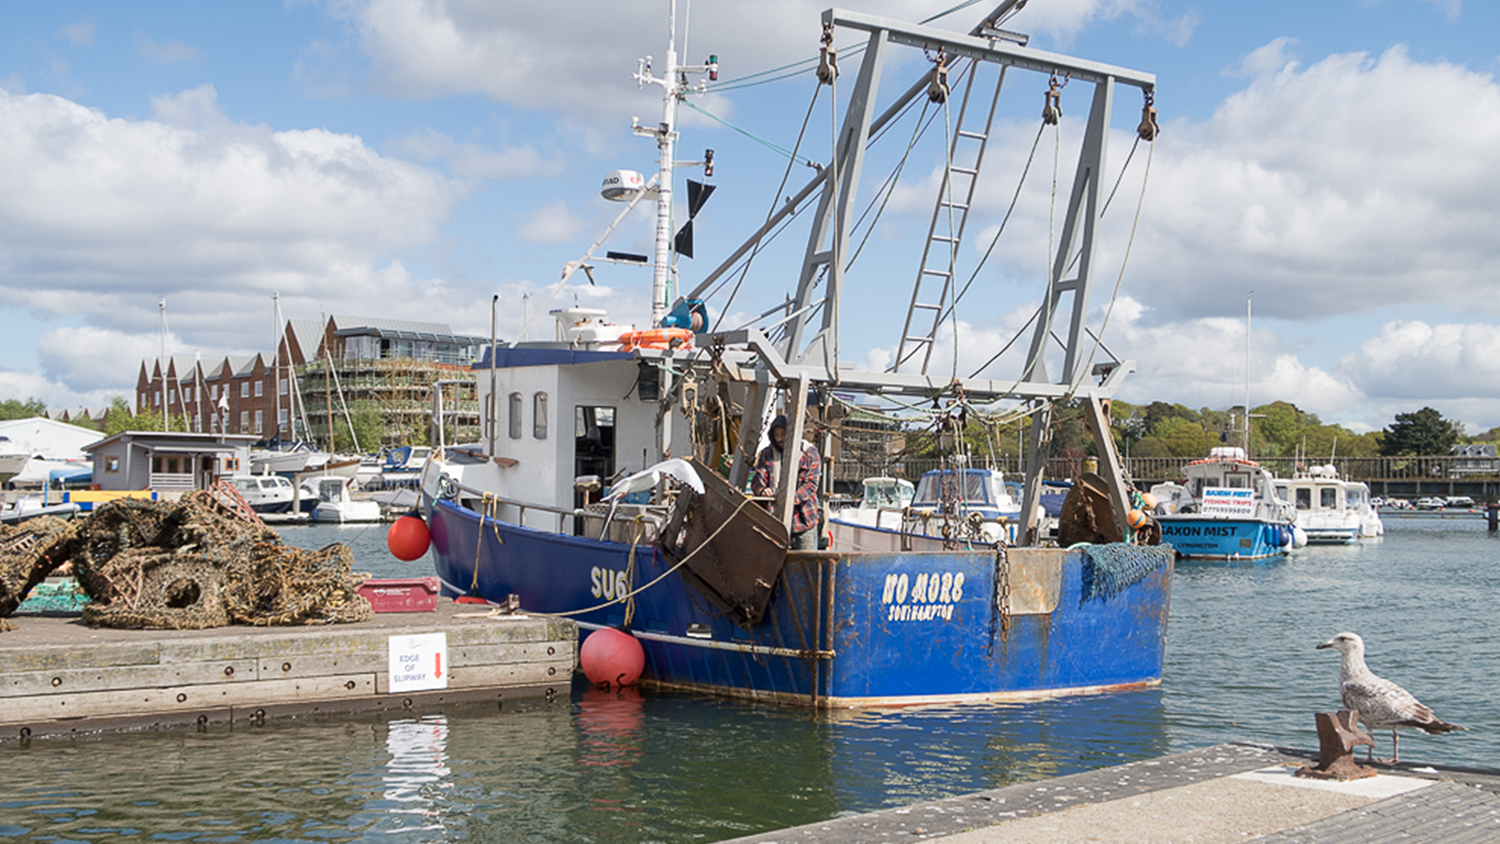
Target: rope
489,507
747,133
680,563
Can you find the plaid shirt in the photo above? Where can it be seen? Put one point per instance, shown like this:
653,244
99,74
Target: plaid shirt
809,472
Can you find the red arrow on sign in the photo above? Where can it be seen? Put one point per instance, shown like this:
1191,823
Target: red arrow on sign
437,665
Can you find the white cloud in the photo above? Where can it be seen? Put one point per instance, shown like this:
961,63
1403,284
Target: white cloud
319,71
1450,8
82,32
1416,361
1267,58
90,359
551,223
470,160
55,394
101,216
1332,189
165,52
530,56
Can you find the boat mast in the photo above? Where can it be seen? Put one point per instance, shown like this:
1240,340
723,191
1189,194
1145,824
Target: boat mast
673,82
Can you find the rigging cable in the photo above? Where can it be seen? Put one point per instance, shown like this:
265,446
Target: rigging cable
776,198
1130,242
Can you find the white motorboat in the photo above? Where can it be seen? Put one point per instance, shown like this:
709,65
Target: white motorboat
1357,498
1322,502
881,504
335,504
272,494
35,506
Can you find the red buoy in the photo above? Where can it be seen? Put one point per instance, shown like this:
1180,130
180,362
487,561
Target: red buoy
611,657
408,538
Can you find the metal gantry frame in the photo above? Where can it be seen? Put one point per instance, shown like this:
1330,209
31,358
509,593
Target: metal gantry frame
815,359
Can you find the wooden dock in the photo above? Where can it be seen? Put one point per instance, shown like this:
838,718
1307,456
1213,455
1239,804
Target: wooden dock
58,676
1227,793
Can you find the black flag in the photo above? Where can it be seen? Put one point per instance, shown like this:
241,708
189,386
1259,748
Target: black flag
698,193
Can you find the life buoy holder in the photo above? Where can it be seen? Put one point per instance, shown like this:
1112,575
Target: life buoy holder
657,338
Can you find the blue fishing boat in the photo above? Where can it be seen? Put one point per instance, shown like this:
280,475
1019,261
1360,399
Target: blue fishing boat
612,483
1225,508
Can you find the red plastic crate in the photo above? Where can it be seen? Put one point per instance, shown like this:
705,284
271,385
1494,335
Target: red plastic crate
410,594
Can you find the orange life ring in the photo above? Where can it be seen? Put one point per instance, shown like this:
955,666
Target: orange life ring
656,338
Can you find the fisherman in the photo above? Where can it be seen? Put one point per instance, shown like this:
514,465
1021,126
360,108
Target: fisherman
805,511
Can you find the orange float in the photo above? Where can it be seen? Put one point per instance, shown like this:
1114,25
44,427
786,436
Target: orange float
656,338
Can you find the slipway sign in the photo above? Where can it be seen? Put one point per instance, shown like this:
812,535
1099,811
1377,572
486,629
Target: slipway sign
418,662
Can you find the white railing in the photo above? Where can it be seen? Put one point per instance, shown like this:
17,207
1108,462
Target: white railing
171,481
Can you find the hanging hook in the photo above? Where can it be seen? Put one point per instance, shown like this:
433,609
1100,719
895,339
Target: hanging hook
938,89
1148,130
828,66
1052,110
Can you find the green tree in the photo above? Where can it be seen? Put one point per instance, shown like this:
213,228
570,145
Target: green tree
1279,427
16,409
369,428
1424,432
121,419
1183,438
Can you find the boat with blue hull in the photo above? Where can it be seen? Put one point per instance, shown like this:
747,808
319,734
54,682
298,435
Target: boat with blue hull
1225,508
612,485
844,628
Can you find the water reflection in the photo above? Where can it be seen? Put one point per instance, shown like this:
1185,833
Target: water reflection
416,772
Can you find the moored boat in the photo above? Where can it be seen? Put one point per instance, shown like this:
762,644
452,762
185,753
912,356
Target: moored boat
1323,508
1225,508
576,505
273,495
333,503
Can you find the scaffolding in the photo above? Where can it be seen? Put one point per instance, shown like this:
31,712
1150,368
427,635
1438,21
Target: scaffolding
400,388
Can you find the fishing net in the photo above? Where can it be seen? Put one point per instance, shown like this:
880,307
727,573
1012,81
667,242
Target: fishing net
1110,569
28,553
184,565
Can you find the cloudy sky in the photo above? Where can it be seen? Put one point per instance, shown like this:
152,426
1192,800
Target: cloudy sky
1333,162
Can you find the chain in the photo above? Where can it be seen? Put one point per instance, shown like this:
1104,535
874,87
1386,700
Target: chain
1000,612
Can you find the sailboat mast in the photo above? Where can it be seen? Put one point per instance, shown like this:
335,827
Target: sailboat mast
278,339
1248,300
166,410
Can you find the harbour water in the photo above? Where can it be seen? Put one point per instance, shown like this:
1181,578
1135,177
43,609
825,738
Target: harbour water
633,767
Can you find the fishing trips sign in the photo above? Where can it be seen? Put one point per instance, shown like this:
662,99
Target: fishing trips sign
1222,501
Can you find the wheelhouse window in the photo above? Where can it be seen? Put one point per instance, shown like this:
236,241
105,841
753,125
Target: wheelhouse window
1328,497
515,416
539,416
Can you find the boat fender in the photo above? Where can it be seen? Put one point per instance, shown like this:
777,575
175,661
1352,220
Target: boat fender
611,657
408,538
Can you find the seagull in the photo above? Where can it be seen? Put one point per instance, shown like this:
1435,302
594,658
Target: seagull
1381,704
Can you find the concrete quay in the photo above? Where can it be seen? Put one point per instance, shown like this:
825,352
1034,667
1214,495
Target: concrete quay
60,677
1226,793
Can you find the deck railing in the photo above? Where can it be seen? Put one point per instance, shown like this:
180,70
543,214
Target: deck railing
1170,468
